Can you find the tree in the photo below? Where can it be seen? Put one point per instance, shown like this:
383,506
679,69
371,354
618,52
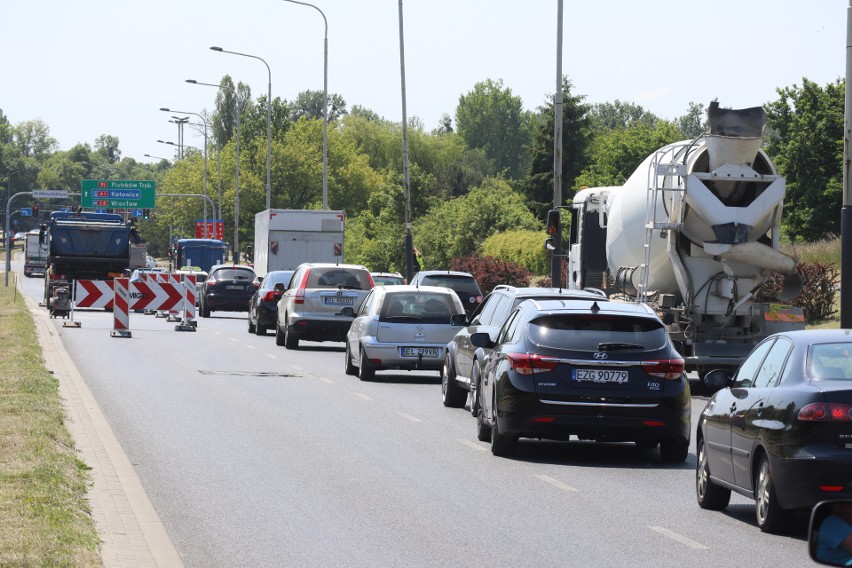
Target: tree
228,99
576,132
34,139
618,114
491,118
107,146
805,139
691,124
308,104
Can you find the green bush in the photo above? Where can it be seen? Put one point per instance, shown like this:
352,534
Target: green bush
524,248
489,272
819,288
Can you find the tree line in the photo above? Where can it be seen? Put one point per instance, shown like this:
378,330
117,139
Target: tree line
481,181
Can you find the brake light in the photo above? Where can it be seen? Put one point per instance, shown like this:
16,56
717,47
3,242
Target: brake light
210,282
822,412
528,364
271,296
671,369
299,296
832,488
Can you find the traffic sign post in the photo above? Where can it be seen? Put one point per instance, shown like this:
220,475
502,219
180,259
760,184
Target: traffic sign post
118,194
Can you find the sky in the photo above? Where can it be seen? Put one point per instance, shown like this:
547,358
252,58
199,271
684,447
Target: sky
93,67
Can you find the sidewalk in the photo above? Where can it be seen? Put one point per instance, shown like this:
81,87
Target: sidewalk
131,531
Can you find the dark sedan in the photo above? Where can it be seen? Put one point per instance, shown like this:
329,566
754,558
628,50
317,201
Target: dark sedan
780,432
602,371
263,306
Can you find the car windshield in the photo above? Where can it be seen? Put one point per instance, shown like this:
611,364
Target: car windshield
422,307
830,361
587,332
234,274
335,277
457,283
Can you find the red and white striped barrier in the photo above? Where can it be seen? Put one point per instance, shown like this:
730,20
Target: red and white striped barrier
93,294
189,300
121,308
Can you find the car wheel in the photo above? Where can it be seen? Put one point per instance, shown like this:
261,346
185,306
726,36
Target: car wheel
291,341
348,367
709,496
205,310
475,402
252,327
452,394
770,516
674,450
279,335
259,329
483,430
366,372
501,444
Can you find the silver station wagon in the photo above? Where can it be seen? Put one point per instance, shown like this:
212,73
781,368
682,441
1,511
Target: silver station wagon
401,327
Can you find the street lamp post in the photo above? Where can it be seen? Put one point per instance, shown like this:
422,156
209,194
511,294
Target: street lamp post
324,105
268,122
203,120
156,157
237,176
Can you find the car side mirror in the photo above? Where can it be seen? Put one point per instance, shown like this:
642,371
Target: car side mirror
830,533
279,287
482,340
458,320
717,378
347,312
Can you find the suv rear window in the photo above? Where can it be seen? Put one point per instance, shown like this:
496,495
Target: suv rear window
457,283
234,274
423,306
586,332
334,277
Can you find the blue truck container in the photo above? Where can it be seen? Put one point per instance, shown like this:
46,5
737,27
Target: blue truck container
202,253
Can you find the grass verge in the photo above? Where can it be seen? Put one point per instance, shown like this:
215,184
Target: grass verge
45,518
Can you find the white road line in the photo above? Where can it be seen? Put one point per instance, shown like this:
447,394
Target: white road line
409,417
298,368
470,444
218,332
555,482
364,396
323,379
271,356
679,537
251,346
234,339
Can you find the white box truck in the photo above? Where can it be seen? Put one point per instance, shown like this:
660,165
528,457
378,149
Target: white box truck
35,254
285,238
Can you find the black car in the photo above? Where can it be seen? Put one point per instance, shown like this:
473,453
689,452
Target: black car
263,306
228,288
602,371
780,432
462,283
462,364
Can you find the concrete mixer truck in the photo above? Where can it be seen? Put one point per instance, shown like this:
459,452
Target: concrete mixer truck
694,232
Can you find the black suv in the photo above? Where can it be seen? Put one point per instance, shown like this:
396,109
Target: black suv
227,288
462,364
462,283
597,370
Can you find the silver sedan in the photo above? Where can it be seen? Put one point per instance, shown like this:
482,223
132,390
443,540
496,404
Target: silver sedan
401,327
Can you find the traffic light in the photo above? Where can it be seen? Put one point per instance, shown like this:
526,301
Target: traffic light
35,210
146,213
554,228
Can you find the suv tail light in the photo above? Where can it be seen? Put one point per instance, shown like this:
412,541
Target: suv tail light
210,282
528,364
825,412
671,369
299,296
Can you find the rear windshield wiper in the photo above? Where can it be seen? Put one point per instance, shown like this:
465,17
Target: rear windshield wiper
388,318
615,345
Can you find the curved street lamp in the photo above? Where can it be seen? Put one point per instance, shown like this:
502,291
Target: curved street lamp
203,120
156,157
237,178
324,105
268,122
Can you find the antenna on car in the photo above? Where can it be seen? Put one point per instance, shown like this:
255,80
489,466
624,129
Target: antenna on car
595,307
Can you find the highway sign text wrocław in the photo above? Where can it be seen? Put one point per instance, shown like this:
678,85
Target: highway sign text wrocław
95,193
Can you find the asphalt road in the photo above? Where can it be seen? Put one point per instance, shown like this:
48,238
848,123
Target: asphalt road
254,455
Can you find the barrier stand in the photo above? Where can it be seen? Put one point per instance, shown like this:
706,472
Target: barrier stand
120,311
71,322
174,313
188,323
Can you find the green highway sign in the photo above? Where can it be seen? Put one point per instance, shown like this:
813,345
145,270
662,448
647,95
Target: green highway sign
116,193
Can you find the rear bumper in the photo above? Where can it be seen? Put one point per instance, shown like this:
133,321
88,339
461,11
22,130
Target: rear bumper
267,314
531,415
388,356
800,479
227,302
320,329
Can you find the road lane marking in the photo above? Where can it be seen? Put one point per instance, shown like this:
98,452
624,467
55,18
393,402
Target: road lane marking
555,482
323,379
678,537
409,417
473,445
251,346
234,339
271,356
298,368
364,396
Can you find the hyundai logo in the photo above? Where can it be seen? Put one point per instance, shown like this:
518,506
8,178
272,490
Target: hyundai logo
340,292
600,355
